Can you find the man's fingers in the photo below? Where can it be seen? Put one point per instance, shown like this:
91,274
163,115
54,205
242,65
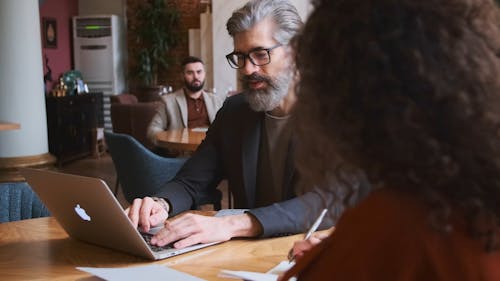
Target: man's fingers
145,213
188,241
133,211
190,229
158,217
184,222
174,230
165,236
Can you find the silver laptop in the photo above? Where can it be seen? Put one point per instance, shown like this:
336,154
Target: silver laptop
88,211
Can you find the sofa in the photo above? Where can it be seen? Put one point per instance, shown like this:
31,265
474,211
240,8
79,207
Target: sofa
131,117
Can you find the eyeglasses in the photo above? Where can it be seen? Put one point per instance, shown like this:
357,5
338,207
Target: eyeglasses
257,57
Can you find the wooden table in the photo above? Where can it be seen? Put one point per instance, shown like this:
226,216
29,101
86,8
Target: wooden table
5,126
40,249
181,140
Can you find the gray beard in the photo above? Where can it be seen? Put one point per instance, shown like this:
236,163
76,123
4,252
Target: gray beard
268,99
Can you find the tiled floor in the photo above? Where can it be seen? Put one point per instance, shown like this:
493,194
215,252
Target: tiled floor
103,168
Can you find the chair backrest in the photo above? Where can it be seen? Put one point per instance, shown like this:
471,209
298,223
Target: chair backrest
141,172
18,202
123,99
121,116
133,119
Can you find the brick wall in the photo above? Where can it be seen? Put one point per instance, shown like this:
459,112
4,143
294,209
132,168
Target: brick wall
190,18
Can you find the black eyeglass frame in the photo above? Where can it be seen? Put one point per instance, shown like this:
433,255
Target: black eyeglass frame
247,56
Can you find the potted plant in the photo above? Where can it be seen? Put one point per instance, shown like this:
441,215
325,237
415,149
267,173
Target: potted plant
155,31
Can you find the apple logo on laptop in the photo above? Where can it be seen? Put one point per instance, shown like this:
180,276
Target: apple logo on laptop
81,212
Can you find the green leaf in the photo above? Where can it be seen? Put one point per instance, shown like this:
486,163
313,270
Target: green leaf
156,34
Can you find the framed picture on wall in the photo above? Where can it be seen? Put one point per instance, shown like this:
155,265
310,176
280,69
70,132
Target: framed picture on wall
49,29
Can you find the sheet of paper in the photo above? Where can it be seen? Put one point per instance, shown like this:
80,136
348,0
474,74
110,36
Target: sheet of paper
271,275
148,272
199,129
248,275
230,212
281,267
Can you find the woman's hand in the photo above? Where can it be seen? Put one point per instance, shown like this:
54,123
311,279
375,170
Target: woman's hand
300,247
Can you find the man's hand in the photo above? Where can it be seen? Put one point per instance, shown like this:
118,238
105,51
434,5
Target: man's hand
190,229
146,213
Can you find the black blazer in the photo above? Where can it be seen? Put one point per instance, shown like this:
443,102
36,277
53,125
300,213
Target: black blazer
230,151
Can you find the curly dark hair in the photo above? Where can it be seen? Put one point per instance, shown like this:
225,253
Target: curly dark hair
409,92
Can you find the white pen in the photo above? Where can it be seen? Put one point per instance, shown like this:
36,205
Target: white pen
311,230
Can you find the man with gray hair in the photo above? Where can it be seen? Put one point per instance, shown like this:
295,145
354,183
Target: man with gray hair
250,144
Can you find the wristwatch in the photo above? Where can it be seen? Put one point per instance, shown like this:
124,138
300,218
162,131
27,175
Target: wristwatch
163,203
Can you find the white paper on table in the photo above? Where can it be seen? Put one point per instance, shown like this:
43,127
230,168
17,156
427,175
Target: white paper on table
248,275
271,275
281,267
230,212
200,129
149,272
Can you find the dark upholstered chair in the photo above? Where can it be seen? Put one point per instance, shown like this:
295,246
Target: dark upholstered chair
19,202
124,99
141,172
128,116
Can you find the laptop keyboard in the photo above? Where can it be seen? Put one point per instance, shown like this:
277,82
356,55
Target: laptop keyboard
147,238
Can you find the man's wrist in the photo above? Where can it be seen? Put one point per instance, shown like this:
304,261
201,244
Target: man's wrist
162,202
244,225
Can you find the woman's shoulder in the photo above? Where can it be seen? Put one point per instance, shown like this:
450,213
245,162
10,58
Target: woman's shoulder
387,204
388,236
392,230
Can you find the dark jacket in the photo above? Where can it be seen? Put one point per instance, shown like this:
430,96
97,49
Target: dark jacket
230,151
